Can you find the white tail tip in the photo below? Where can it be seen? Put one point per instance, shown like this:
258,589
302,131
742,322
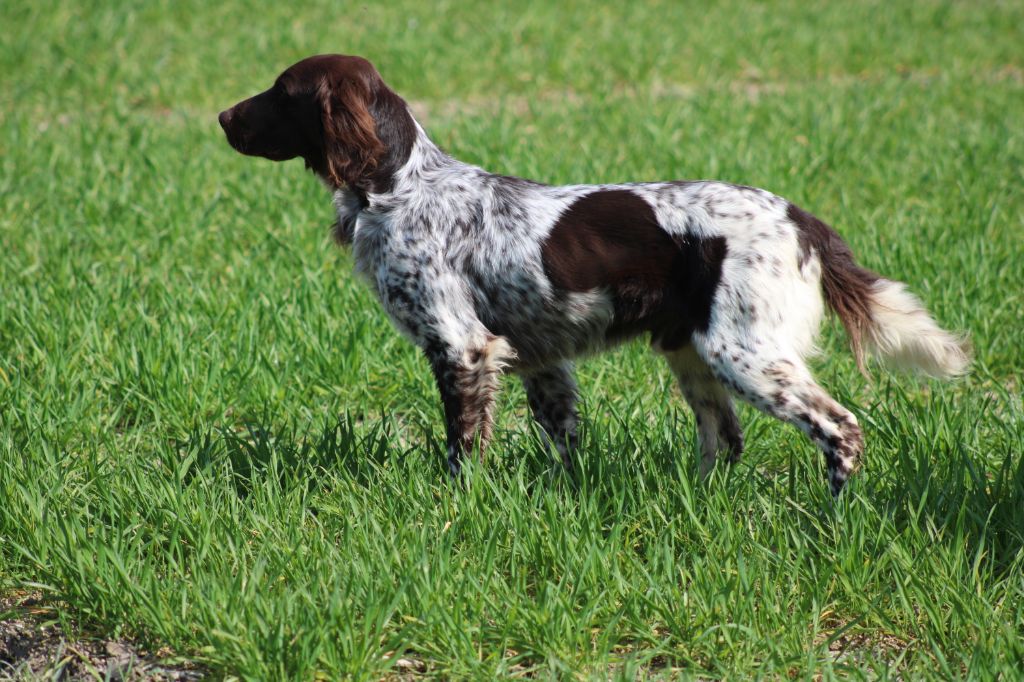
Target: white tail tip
903,334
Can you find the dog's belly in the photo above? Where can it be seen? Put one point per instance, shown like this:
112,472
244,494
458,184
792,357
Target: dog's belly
544,329
546,324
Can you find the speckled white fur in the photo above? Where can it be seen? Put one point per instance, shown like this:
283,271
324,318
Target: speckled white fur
453,251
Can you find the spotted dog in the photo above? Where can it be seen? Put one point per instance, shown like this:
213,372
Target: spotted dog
488,273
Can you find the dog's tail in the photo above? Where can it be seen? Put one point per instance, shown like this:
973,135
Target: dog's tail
879,314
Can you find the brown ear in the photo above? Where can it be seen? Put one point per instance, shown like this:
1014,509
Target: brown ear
351,145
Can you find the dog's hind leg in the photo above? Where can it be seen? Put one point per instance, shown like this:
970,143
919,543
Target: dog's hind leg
552,395
718,429
779,383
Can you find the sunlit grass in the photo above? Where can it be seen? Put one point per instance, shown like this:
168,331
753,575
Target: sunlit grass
211,438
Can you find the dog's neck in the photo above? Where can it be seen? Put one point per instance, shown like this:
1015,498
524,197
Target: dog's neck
421,167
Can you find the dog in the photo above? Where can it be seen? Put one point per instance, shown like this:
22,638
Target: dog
488,273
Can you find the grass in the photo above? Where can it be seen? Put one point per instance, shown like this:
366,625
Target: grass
212,440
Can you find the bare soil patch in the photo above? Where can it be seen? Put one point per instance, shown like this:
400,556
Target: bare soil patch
33,647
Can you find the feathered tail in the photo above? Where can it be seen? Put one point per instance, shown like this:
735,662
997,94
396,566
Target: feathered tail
879,314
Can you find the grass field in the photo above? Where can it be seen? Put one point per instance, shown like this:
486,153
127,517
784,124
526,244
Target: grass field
213,443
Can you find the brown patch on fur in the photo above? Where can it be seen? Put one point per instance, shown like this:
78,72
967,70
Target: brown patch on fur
611,240
847,286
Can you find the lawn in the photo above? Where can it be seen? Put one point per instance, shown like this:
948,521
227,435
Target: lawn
214,445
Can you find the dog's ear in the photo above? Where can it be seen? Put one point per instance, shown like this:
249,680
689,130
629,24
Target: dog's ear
351,146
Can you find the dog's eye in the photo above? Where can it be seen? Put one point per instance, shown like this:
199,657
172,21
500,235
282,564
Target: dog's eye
282,98
279,93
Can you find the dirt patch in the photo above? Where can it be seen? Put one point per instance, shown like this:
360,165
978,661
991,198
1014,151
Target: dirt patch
31,647
852,645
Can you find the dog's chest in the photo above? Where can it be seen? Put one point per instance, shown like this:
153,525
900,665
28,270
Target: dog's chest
368,246
392,258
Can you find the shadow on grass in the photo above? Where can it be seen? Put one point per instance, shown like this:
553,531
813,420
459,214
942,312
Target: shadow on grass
261,449
965,501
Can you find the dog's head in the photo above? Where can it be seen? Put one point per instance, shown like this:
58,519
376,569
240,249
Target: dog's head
333,111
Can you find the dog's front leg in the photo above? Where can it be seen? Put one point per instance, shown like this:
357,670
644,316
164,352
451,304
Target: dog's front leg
468,381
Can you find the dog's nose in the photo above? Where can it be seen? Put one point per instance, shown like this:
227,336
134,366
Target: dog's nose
225,118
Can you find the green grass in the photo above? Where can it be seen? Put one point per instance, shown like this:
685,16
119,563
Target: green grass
211,439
